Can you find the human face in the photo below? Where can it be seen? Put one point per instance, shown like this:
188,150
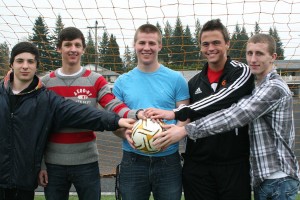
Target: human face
259,59
147,48
71,52
24,67
214,48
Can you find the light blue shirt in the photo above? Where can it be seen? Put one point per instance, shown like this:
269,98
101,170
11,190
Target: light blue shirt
160,89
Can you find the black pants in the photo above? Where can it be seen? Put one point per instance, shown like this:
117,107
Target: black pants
216,182
16,194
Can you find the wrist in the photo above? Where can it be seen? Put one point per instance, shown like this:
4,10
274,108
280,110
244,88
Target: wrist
137,113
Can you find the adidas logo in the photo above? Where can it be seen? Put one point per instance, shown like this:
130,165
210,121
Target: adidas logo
198,91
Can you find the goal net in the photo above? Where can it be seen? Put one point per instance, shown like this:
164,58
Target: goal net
115,22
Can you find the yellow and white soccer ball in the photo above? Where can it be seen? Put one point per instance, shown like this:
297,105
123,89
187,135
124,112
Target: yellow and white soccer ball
142,134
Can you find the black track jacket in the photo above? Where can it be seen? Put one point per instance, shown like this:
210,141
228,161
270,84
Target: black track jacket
26,125
235,83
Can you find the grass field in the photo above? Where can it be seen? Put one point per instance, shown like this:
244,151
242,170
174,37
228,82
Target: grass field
103,197
108,197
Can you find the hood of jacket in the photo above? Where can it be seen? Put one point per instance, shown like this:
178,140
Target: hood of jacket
34,85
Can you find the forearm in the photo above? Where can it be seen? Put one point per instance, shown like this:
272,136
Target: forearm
182,112
75,115
183,123
216,123
120,133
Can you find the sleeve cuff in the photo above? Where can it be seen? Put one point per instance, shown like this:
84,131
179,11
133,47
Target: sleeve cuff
191,130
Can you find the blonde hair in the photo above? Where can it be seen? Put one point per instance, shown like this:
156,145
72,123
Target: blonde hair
264,38
148,28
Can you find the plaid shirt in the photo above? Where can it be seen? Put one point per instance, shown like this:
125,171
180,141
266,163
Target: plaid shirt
269,113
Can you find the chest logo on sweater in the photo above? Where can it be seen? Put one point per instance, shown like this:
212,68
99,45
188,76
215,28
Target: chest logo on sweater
82,95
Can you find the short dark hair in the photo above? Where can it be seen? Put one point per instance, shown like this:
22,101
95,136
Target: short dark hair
212,25
148,28
24,47
68,34
264,38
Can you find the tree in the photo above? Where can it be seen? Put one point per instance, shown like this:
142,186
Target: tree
133,58
233,50
103,50
56,56
177,43
4,59
166,42
127,58
257,29
238,44
198,28
42,40
113,54
163,54
279,48
243,38
190,48
159,27
89,55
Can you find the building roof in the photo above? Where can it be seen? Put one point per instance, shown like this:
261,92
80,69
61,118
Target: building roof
287,64
101,70
189,74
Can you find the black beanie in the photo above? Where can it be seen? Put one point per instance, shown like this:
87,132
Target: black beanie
24,47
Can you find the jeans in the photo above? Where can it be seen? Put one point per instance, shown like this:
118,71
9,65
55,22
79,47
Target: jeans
277,189
139,175
216,182
85,178
16,194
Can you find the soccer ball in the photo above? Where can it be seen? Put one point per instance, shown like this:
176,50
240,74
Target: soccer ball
142,134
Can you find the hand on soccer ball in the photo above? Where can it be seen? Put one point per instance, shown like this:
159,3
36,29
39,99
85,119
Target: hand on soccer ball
128,134
170,135
155,113
126,123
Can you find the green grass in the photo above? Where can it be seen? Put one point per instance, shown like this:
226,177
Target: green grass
103,197
108,197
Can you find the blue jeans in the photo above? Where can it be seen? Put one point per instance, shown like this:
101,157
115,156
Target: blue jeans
277,189
139,175
85,178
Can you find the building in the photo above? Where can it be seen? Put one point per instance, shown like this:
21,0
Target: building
290,72
109,75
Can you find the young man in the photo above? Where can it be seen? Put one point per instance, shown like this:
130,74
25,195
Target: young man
216,167
269,111
69,159
150,84
28,113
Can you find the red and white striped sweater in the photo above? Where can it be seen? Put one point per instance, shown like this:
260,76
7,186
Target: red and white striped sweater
76,146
